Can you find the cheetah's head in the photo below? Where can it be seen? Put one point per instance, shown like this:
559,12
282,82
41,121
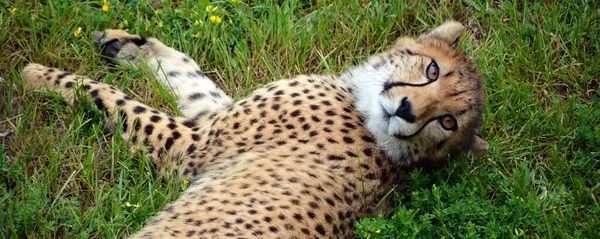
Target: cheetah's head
423,98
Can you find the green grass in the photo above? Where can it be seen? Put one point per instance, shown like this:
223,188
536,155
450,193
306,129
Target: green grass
63,175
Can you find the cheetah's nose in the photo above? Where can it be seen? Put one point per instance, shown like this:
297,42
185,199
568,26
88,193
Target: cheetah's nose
404,111
110,50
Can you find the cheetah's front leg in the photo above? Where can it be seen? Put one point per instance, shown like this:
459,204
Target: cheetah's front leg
166,138
197,95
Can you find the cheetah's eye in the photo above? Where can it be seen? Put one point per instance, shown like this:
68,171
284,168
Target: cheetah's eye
448,122
433,71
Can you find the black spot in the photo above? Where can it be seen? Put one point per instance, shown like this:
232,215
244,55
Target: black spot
328,218
351,154
320,229
295,113
335,157
314,107
197,96
298,217
189,123
275,106
63,75
348,140
120,102
155,118
176,135
148,129
349,125
99,103
136,124
169,143
379,162
69,84
173,73
330,113
123,117
367,138
139,109
196,137
368,151
94,93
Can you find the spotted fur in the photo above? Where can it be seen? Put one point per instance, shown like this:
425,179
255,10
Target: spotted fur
300,158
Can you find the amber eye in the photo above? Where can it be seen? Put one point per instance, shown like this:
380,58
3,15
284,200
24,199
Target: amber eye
448,122
433,71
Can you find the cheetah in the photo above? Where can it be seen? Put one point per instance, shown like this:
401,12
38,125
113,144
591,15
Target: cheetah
303,157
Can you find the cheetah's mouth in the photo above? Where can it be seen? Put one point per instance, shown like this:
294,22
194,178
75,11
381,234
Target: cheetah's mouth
394,123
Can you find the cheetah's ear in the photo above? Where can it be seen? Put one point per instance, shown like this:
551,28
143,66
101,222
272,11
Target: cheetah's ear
449,32
480,146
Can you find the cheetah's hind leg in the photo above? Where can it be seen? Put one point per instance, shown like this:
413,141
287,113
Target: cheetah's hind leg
197,95
164,136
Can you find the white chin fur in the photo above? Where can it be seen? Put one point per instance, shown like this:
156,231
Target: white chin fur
368,84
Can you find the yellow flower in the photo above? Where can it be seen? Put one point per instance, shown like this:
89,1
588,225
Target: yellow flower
105,8
210,8
216,19
160,23
13,10
186,182
197,35
77,32
134,205
157,11
233,1
197,22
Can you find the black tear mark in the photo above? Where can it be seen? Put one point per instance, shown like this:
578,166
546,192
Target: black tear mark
137,41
